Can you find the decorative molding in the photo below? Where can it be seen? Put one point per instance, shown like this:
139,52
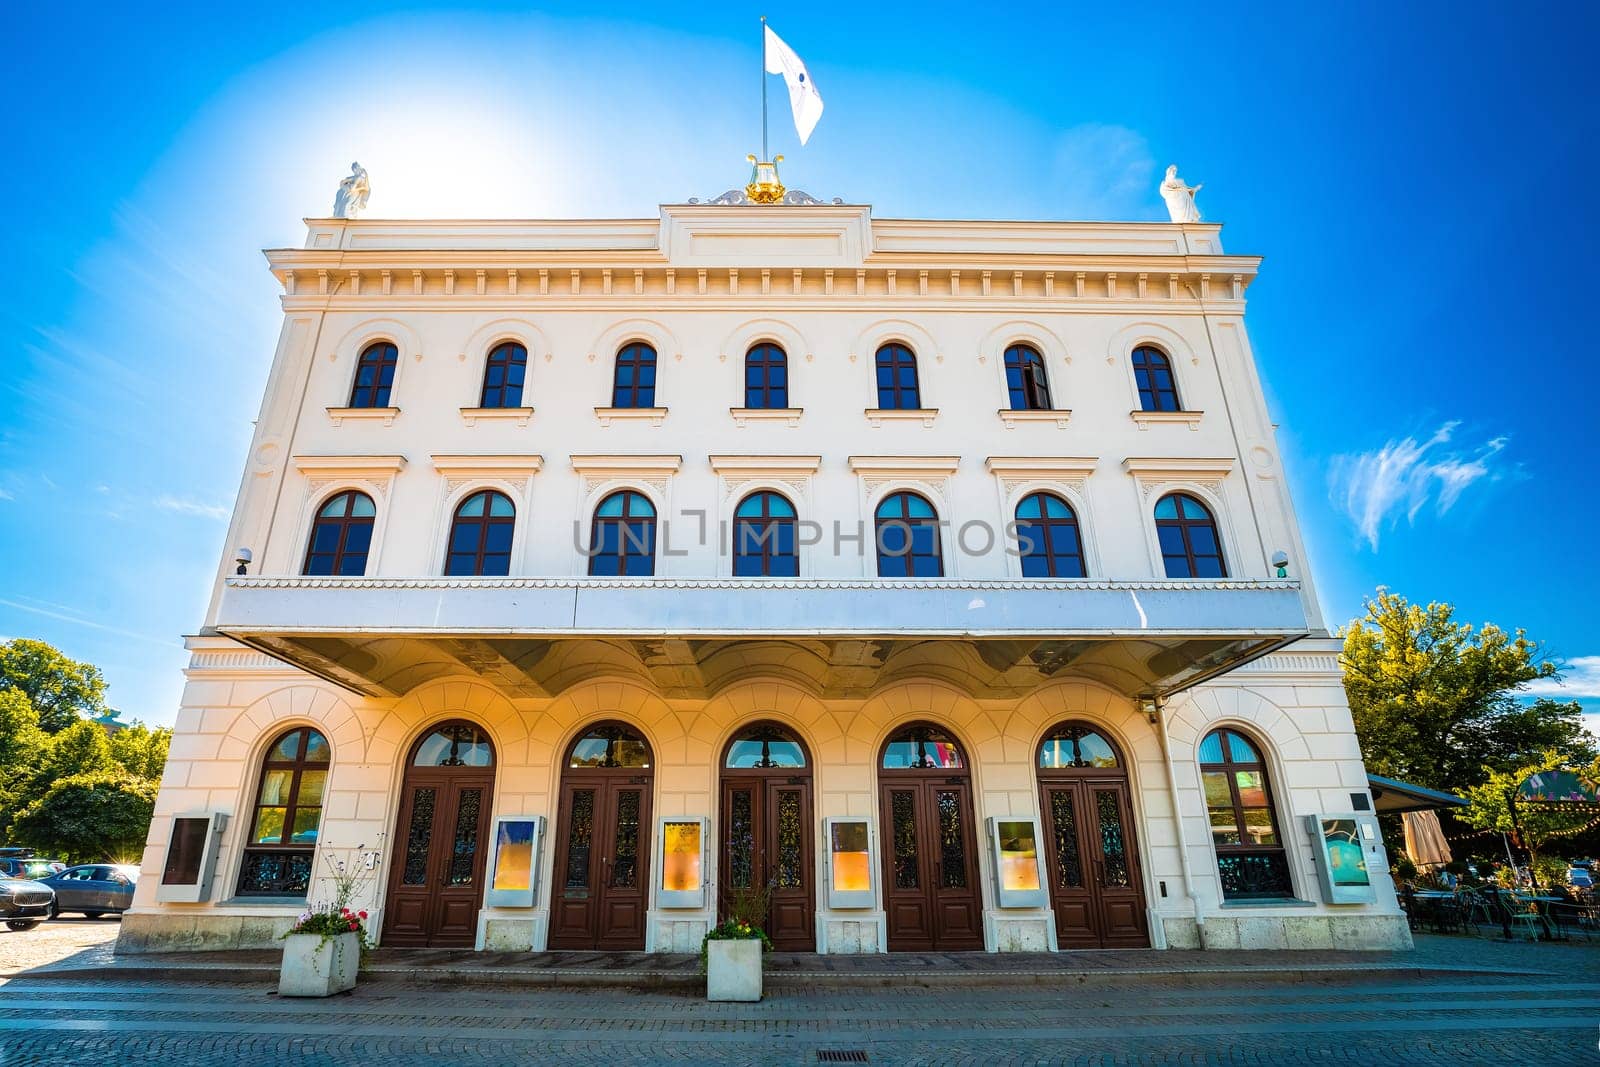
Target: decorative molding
1153,474
651,415
520,416
599,470
1015,472
356,466
789,415
878,416
576,582
1147,419
757,465
1012,417
383,415
499,466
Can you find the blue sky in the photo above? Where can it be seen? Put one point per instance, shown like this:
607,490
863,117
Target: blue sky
1418,177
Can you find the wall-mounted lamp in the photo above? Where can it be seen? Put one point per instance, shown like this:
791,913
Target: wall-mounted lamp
1151,706
242,557
1280,560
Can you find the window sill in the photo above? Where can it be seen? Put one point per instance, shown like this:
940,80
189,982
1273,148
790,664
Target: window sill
877,416
263,902
520,416
789,415
1278,902
1059,416
386,415
651,415
1147,419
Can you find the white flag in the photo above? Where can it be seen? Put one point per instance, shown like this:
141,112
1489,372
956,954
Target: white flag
803,95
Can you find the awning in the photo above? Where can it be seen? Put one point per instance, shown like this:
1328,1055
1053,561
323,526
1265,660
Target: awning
689,638
1390,795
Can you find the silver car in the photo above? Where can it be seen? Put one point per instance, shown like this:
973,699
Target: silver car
24,904
93,888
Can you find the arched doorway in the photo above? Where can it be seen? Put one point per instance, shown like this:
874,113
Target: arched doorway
931,896
436,873
767,831
602,862
1095,887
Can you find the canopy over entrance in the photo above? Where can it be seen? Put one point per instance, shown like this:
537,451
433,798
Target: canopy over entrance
689,638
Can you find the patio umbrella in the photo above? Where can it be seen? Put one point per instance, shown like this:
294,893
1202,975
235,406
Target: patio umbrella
1425,842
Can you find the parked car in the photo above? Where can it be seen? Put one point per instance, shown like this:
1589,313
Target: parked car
93,888
25,904
1580,878
22,863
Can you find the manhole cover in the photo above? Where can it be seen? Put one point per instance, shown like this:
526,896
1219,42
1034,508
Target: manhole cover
841,1055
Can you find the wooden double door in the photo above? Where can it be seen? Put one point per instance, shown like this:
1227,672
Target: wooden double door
767,841
602,861
932,900
436,875
1095,886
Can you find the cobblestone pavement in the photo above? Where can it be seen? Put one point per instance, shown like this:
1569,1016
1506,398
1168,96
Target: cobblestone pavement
1547,1016
71,939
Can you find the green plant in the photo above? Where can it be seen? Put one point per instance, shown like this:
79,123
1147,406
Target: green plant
1404,869
1550,871
336,918
747,910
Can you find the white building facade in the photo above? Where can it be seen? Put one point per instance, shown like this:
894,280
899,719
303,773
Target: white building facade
939,578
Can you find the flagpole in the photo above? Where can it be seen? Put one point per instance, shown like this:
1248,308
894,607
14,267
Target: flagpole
763,53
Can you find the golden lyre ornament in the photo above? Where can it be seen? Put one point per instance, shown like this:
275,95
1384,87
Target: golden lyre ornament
764,187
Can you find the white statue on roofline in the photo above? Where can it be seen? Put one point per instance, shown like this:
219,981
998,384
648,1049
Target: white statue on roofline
1179,197
351,199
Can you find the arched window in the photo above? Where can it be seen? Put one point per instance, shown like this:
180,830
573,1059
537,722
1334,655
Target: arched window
1244,828
623,539
609,746
1025,379
455,744
1074,747
503,376
1152,372
907,530
766,377
1190,547
765,747
922,748
374,375
1047,537
634,384
341,535
764,538
288,810
897,379
480,535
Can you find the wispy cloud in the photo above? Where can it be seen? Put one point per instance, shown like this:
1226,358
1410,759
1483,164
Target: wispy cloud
6,495
1104,172
62,613
1404,476
192,507
1580,679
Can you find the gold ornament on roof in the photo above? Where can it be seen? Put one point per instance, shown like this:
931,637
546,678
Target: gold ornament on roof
764,187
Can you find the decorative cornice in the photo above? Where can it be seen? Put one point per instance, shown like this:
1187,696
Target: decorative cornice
744,415
651,415
454,463
520,416
1147,419
757,465
1151,474
905,465
362,466
878,416
383,415
1013,417
1042,466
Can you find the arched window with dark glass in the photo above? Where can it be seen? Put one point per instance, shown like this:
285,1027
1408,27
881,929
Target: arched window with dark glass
766,377
1025,379
897,379
765,747
1048,538
764,538
1073,747
1244,826
282,838
341,535
374,375
503,376
622,542
907,531
1190,547
634,383
1152,372
480,535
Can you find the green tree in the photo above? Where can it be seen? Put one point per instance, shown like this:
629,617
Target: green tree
1534,825
1434,700
61,689
81,748
141,751
90,818
22,747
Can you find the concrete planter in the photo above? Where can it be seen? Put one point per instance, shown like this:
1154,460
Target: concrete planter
312,968
733,970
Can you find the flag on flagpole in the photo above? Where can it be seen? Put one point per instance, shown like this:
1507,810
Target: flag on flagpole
804,99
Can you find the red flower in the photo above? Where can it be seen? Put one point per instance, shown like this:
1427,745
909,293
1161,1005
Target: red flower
362,914
354,925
